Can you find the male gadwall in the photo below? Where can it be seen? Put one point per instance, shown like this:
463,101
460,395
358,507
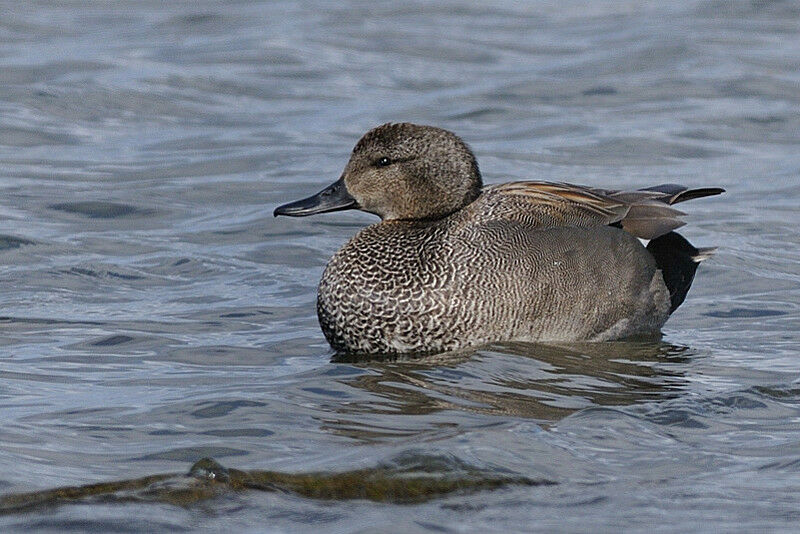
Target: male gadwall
453,264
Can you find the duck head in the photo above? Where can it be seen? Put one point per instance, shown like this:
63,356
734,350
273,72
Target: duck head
400,171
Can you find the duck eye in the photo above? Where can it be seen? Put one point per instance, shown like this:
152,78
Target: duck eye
383,162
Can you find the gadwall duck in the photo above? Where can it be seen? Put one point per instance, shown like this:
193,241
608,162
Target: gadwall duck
453,264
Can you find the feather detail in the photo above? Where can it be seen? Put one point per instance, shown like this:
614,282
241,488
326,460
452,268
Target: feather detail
645,213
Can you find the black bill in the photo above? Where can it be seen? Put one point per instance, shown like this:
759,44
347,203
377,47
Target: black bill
333,198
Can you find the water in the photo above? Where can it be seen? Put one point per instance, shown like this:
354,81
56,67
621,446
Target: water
154,312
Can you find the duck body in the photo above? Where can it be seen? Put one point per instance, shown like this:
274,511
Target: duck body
522,261
407,287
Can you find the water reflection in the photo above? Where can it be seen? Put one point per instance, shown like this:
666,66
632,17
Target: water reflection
535,381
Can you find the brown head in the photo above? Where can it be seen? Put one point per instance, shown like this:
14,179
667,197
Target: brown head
400,171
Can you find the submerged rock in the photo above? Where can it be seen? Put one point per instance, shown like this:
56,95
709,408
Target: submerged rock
207,479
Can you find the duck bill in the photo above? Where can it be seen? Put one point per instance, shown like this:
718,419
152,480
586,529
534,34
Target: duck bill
333,198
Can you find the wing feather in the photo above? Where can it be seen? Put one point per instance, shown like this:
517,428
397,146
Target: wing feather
645,213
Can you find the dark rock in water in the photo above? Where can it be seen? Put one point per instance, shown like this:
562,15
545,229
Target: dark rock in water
210,469
207,478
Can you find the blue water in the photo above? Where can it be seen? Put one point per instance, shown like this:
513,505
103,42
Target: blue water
154,312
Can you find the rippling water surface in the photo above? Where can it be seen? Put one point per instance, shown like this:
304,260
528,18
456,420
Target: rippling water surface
154,312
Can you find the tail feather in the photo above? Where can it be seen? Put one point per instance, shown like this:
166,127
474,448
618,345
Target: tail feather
674,193
703,254
650,227
651,214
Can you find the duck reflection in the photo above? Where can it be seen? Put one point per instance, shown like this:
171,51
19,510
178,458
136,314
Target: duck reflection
535,381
